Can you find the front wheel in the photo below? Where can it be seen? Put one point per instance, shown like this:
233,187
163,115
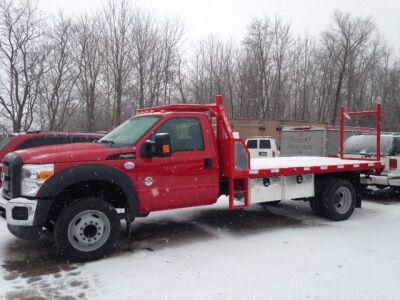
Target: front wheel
87,229
338,199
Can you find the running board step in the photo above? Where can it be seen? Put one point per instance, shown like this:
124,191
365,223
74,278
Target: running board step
239,192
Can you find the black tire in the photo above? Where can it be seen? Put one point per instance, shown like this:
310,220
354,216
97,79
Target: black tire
395,190
87,229
49,226
338,199
316,202
316,206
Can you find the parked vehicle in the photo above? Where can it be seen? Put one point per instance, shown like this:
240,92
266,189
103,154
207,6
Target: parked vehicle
262,146
365,146
315,140
18,141
163,158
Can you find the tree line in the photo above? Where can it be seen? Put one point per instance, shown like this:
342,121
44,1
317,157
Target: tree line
93,71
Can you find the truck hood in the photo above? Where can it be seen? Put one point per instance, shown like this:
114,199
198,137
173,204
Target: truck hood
69,153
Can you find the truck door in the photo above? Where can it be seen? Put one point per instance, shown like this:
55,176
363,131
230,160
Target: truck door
189,177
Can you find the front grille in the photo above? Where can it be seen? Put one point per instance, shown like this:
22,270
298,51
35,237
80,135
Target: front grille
12,165
6,180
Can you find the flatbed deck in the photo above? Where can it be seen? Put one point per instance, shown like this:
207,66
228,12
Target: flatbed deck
301,165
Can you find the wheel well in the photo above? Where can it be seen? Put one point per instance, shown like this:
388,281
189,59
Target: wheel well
353,177
102,189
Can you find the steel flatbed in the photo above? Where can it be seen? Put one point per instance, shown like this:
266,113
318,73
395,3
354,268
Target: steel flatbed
301,165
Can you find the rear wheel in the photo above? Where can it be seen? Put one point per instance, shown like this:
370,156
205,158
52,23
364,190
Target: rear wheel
316,202
87,229
338,199
316,206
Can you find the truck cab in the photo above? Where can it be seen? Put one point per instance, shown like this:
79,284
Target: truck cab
262,146
167,160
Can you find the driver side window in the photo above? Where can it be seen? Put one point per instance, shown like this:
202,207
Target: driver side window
185,134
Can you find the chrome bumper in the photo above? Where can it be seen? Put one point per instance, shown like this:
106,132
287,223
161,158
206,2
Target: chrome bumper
9,205
390,180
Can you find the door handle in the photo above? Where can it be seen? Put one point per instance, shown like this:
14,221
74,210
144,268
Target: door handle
208,164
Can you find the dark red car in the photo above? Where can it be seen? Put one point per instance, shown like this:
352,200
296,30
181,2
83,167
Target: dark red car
18,141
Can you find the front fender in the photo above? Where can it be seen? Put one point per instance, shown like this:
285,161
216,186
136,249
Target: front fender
90,172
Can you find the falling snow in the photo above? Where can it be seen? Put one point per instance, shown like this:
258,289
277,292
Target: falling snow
154,192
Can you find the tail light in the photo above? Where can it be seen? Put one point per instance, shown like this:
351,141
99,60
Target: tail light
393,164
273,153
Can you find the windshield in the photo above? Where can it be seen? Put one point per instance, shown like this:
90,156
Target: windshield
366,144
129,132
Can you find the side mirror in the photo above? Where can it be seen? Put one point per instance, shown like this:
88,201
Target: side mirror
160,147
163,144
148,149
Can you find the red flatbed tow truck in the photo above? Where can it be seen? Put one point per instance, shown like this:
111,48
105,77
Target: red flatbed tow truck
164,158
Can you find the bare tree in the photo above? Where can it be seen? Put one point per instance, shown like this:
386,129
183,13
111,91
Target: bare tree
92,72
171,39
267,44
21,58
181,80
88,32
342,40
118,16
303,78
58,94
144,38
212,71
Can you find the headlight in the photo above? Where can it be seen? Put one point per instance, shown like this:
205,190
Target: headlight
33,176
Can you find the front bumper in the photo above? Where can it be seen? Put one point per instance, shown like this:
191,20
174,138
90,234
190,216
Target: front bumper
26,205
28,225
389,180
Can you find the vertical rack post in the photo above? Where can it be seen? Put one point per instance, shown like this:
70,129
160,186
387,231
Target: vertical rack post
219,101
342,116
378,130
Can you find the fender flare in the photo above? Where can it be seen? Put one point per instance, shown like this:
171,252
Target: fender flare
90,172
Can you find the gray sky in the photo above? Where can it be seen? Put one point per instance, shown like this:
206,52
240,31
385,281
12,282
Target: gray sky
229,18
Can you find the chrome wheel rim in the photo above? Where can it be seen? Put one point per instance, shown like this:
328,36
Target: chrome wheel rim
342,200
89,230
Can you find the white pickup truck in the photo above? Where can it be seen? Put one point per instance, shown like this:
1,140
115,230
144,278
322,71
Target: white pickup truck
365,146
262,146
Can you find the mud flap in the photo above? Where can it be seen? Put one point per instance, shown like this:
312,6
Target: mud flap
25,232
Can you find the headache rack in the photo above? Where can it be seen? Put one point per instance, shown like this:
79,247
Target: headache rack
377,113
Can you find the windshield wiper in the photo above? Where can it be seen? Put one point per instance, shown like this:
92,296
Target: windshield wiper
106,141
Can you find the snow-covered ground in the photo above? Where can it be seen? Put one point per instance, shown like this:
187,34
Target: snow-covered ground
213,253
